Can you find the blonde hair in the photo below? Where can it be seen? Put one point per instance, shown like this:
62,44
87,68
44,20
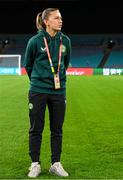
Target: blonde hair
39,21
41,16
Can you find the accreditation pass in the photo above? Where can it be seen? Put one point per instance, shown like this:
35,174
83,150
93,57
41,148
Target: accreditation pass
57,81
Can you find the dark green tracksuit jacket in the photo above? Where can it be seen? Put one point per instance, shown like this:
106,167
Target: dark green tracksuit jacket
37,64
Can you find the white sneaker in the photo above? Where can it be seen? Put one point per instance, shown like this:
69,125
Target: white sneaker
34,170
57,169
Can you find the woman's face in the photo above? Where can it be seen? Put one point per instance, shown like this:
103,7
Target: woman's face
54,21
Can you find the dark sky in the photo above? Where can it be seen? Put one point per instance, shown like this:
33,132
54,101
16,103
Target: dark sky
79,17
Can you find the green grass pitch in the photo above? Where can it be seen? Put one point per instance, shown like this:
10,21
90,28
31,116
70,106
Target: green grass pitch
93,129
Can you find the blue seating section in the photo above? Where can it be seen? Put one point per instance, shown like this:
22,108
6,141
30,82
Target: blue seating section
86,56
92,56
115,60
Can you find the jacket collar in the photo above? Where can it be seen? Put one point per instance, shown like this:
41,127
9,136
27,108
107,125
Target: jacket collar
46,34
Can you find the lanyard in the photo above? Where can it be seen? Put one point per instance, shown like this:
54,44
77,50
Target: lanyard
49,56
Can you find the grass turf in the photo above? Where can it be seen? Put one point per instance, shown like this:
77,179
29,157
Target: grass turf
93,129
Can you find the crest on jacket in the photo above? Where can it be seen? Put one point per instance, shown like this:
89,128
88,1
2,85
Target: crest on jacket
63,48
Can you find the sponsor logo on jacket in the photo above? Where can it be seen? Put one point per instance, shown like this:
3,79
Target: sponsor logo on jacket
43,49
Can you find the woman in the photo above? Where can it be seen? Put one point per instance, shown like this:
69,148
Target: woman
47,58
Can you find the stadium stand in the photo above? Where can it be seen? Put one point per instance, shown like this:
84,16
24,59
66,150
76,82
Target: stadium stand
86,56
87,50
115,60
